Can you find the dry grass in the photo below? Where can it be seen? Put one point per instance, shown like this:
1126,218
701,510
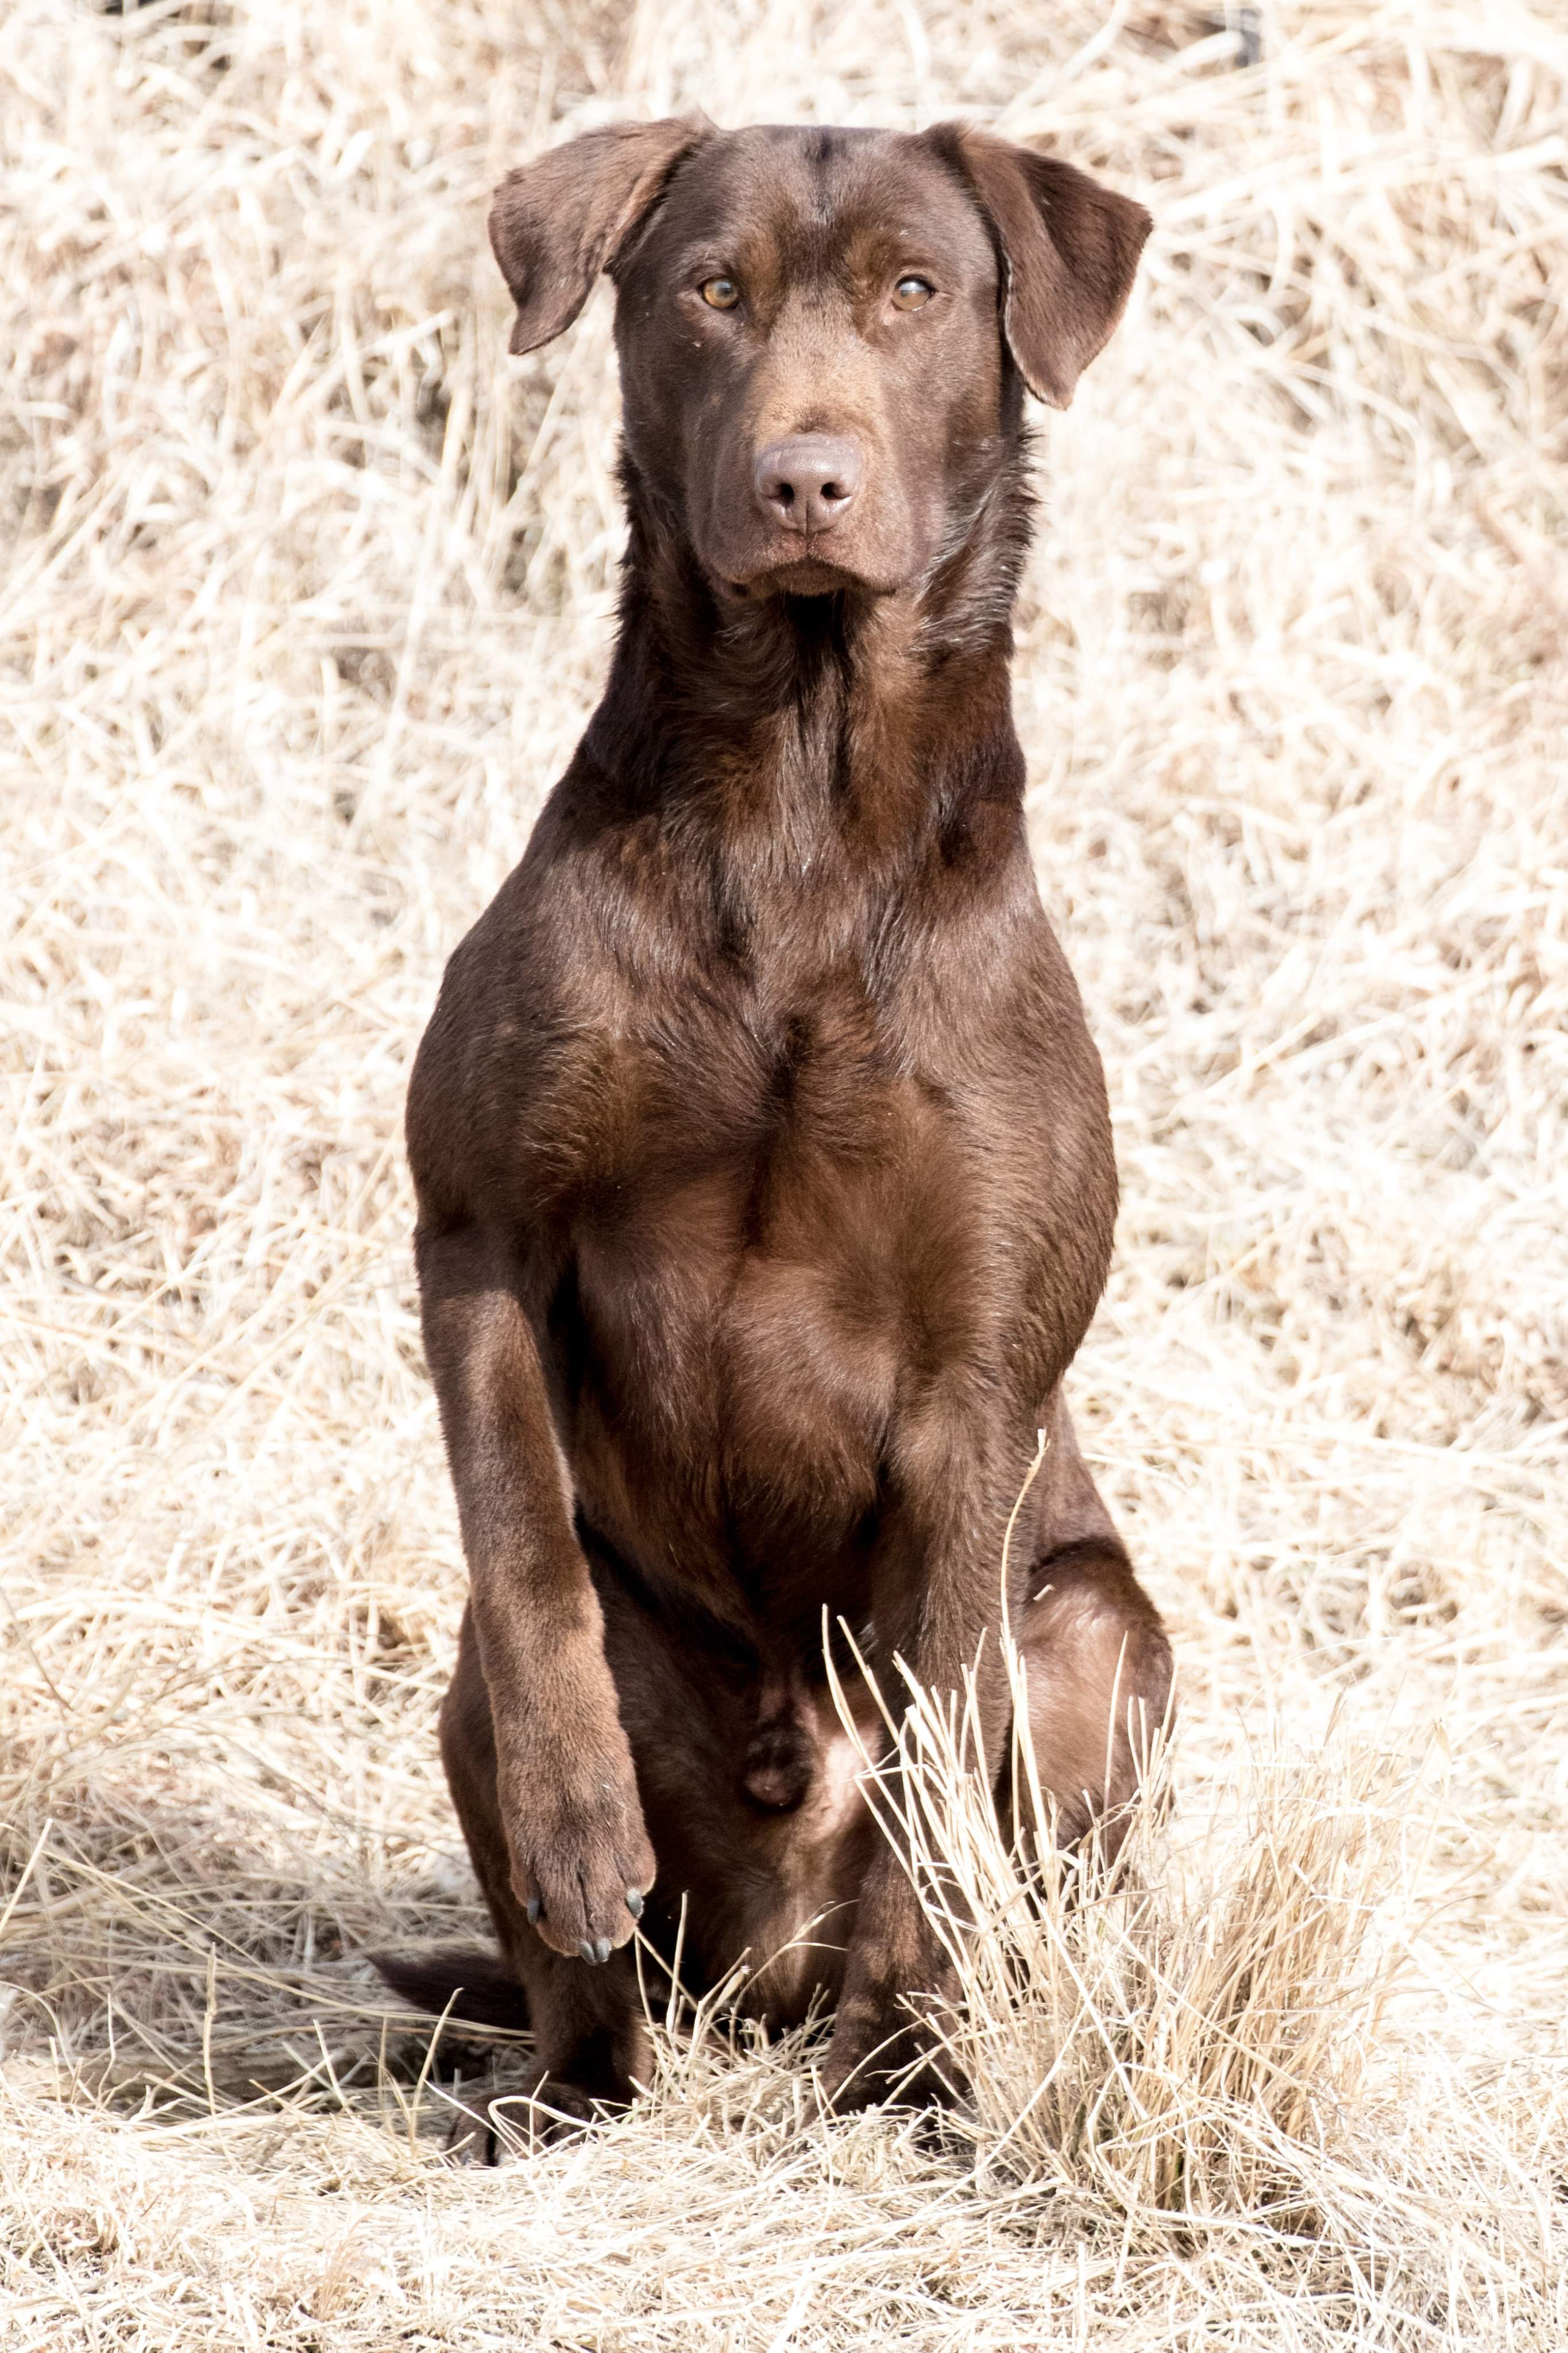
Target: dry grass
302,607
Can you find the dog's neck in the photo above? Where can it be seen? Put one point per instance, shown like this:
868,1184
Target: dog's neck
895,710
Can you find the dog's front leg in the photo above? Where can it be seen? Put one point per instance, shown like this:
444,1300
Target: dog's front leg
579,1851
936,1601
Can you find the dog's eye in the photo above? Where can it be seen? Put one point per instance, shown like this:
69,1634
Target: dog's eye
720,293
912,293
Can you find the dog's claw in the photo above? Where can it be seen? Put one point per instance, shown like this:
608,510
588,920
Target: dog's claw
601,1949
634,1902
535,1911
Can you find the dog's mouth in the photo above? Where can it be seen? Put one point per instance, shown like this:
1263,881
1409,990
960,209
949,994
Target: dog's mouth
808,575
804,576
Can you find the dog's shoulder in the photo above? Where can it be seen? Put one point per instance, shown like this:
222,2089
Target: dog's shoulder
534,1002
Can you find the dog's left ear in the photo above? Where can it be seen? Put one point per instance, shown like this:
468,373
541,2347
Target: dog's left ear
557,222
1069,253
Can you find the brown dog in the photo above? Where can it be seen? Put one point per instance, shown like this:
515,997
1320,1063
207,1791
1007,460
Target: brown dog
763,1166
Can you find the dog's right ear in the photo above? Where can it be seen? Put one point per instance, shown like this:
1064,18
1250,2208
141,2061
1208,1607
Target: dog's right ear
556,223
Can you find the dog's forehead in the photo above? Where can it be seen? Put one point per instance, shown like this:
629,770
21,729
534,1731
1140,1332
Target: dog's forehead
812,194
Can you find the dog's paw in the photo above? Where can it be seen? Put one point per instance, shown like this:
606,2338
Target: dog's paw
581,1860
536,2114
890,2063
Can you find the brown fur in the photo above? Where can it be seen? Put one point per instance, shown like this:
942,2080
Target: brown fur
762,1158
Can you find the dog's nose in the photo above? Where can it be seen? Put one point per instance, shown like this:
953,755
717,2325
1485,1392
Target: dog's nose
806,484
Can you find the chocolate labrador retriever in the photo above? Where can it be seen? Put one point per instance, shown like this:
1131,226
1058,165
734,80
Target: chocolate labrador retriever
764,1174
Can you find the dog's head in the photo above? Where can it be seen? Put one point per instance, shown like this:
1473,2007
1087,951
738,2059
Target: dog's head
821,332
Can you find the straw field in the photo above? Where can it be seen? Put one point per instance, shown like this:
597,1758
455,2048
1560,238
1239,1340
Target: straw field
304,598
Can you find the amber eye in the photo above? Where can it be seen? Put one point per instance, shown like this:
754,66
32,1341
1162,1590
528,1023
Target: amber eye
720,293
912,293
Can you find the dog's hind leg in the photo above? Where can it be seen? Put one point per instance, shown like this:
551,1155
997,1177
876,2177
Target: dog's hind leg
1096,1655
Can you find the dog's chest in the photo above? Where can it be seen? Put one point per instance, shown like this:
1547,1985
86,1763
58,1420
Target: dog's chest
789,1228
